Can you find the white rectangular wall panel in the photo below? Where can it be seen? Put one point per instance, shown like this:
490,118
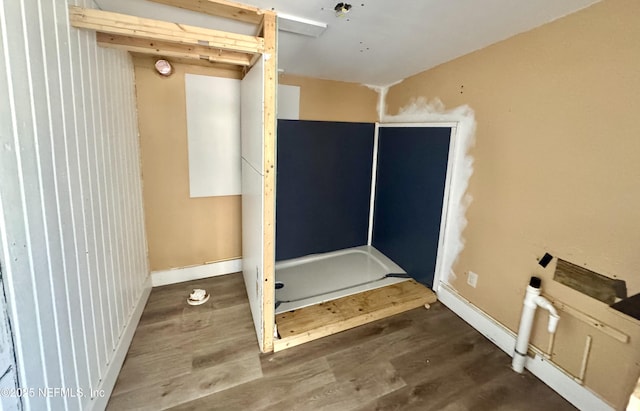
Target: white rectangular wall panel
252,115
72,241
213,131
252,91
288,102
252,242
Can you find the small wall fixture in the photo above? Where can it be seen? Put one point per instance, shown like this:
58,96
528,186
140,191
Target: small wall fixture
163,67
341,9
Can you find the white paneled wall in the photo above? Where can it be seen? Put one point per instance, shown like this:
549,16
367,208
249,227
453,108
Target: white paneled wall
252,135
72,246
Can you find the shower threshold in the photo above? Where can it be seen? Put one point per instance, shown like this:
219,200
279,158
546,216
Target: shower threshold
331,317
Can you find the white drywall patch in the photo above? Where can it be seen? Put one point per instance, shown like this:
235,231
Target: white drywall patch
423,111
213,134
288,102
382,96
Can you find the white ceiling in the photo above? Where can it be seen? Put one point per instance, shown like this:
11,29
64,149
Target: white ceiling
379,42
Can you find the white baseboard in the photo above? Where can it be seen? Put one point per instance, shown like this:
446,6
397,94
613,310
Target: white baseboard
179,275
108,381
564,384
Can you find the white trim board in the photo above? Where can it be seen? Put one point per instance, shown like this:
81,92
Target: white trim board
374,179
578,395
197,272
108,382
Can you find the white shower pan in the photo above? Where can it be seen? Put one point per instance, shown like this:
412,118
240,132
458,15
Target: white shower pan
317,278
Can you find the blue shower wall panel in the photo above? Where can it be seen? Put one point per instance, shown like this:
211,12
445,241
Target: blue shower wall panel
412,168
323,186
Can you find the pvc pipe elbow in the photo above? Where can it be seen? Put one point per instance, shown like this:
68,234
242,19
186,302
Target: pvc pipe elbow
553,323
546,304
553,314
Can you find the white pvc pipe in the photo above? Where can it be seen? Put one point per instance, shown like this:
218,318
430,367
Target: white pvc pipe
532,301
524,331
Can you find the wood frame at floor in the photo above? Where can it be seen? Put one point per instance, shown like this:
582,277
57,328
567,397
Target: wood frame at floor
331,317
216,49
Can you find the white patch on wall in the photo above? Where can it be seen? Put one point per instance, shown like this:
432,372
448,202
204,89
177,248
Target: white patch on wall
288,102
213,134
423,111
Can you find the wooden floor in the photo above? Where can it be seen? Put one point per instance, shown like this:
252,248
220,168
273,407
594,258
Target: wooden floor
310,323
207,358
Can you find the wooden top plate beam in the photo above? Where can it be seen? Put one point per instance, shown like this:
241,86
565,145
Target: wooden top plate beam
166,49
220,8
214,69
137,27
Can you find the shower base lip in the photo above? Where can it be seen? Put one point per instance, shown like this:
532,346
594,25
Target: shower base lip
372,280
320,320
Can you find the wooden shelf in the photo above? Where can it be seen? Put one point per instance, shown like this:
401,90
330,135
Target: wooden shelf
317,321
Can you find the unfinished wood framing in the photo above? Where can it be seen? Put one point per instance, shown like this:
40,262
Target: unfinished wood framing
270,81
215,69
167,49
610,331
220,8
193,41
233,55
310,323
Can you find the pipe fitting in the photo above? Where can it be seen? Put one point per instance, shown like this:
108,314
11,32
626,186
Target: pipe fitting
553,323
546,304
553,314
532,300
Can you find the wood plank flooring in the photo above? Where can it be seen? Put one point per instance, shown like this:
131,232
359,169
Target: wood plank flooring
317,321
207,358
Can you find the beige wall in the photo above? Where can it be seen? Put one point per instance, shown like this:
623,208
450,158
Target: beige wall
557,169
184,231
181,231
327,100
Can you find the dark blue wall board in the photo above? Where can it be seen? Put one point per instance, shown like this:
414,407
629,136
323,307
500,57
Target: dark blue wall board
323,186
412,169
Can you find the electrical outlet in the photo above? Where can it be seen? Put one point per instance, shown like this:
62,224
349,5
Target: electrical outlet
472,279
